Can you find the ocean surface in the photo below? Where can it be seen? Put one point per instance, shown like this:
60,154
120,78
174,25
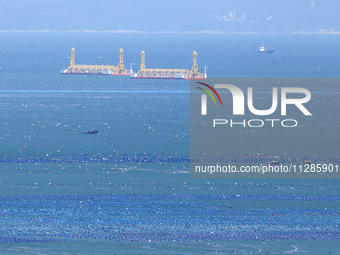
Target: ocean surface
127,190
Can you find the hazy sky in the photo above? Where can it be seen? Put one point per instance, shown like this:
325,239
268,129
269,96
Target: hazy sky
174,15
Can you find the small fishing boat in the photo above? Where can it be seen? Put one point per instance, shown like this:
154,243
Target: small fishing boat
91,132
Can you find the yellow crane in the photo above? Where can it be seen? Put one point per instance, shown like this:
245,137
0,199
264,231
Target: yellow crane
169,73
96,69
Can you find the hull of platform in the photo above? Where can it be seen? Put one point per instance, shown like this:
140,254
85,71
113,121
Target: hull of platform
167,78
127,74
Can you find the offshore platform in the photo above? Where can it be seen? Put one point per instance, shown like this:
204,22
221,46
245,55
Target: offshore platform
96,69
156,73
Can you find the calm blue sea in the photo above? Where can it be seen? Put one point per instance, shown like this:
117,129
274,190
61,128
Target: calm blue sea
127,190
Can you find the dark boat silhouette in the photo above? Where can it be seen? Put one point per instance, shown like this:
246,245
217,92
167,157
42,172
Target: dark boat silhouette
91,132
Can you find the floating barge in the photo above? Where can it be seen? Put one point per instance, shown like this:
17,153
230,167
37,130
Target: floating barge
156,73
143,73
96,69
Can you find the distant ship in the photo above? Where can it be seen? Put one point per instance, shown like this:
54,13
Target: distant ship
263,50
91,132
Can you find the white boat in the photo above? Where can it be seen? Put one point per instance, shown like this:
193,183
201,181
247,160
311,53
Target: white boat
262,49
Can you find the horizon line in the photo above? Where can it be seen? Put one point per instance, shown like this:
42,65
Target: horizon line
123,31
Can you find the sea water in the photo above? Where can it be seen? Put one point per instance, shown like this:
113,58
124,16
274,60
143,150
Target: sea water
127,189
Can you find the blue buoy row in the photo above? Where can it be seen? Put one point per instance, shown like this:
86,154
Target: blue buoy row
31,240
54,200
164,158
